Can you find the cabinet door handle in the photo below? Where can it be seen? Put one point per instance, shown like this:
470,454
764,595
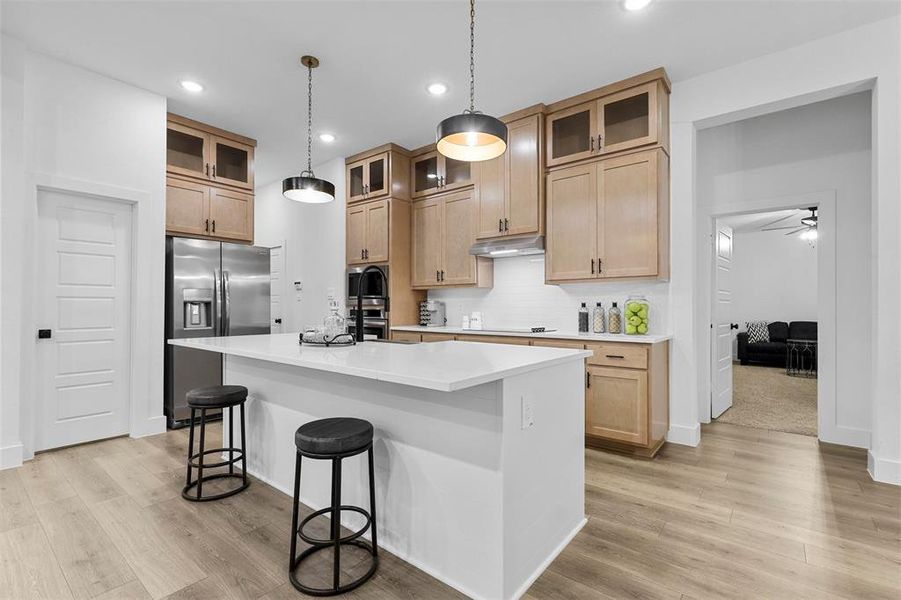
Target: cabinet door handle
214,170
599,266
587,379
591,137
592,266
442,275
500,224
367,253
214,220
207,226
207,169
437,275
618,356
600,142
506,225
362,255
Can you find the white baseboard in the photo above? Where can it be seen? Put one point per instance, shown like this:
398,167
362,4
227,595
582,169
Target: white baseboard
845,436
684,434
884,470
152,426
547,562
11,456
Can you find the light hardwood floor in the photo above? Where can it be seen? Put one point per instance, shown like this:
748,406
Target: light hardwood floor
748,514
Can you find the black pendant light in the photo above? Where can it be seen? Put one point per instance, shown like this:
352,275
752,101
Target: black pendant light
472,136
306,187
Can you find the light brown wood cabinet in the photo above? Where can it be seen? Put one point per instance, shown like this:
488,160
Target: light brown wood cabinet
209,188
495,339
616,406
433,173
616,121
368,178
198,210
368,232
609,219
438,337
510,188
407,336
443,231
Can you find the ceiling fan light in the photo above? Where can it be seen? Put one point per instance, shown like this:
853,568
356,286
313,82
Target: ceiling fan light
472,137
310,190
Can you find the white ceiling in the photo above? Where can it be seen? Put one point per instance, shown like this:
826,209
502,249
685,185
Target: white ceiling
378,57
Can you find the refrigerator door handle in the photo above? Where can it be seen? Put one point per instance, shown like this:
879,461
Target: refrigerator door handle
217,298
226,317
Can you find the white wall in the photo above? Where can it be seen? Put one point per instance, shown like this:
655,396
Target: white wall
85,132
314,245
774,278
520,298
868,56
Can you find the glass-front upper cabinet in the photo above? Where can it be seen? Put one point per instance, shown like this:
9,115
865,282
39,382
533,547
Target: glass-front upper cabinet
231,162
571,134
628,119
433,173
368,178
187,151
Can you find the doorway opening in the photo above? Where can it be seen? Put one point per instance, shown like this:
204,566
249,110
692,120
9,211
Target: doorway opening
765,329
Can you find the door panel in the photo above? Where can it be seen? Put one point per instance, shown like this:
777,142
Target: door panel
572,223
490,193
628,119
356,181
84,292
425,174
722,321
377,176
523,177
617,404
457,234
426,235
356,234
245,289
231,214
571,134
627,215
232,162
187,151
187,207
377,231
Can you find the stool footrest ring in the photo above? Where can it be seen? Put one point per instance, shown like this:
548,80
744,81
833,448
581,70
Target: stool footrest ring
332,591
330,542
187,496
238,453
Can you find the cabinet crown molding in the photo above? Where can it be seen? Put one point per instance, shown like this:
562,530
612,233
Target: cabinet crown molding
236,137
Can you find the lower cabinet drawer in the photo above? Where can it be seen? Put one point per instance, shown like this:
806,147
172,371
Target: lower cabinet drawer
406,336
437,337
611,354
559,344
494,339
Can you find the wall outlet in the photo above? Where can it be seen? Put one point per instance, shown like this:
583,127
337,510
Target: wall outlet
528,415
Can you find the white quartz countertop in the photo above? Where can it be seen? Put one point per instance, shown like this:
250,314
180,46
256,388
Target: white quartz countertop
551,335
443,366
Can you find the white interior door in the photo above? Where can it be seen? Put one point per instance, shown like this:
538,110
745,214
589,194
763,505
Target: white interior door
277,288
84,300
722,321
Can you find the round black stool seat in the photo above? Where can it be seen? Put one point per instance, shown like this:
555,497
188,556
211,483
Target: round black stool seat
216,396
333,436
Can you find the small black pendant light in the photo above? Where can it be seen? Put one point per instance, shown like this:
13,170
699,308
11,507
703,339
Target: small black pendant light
472,136
306,187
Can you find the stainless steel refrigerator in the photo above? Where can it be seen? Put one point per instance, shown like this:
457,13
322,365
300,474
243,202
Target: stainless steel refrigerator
212,289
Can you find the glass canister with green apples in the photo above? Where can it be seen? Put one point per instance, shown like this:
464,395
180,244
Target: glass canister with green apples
637,315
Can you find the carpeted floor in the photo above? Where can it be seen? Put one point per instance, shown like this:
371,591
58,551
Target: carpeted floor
767,398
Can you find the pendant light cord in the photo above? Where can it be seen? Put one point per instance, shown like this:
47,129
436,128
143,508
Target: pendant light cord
472,56
309,121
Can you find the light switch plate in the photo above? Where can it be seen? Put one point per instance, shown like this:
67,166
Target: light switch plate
528,415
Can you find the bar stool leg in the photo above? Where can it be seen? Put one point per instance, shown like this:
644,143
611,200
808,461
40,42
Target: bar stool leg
375,539
190,449
336,519
200,454
231,440
294,513
243,449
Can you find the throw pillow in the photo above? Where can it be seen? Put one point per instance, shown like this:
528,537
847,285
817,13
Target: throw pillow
758,331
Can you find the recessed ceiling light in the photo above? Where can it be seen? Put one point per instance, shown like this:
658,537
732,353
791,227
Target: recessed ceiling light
191,86
326,137
635,4
437,89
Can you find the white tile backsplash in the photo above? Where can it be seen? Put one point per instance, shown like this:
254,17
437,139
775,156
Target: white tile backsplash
520,298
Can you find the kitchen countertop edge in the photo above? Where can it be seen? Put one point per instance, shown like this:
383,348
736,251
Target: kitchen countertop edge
551,335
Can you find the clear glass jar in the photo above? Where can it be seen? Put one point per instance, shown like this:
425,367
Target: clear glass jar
614,319
334,323
599,321
637,317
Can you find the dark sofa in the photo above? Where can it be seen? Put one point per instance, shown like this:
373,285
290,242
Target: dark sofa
773,352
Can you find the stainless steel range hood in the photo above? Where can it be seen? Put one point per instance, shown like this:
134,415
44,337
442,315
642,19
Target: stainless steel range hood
506,247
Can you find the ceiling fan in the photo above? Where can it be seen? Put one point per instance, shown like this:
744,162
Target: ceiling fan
807,228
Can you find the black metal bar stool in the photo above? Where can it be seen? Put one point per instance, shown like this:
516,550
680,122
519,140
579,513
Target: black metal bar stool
333,439
209,398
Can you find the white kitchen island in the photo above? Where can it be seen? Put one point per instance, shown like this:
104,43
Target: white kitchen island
479,449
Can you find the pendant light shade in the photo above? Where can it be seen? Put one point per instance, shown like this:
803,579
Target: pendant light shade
306,187
472,136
